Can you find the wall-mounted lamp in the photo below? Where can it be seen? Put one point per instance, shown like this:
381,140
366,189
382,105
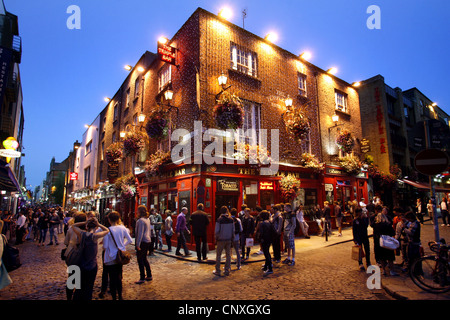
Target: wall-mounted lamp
271,37
332,70
163,40
288,102
140,69
335,118
306,55
356,84
222,79
168,95
226,13
122,134
128,67
76,145
107,99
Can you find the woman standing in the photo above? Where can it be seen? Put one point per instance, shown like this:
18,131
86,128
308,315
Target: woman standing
88,265
266,234
122,238
143,242
383,226
168,224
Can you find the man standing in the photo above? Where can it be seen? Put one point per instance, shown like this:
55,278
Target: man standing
277,221
444,213
180,229
224,233
326,218
20,227
199,223
289,234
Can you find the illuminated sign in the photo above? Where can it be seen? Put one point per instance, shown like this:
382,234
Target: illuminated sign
167,53
9,152
266,185
73,176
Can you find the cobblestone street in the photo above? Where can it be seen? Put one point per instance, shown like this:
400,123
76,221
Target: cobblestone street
322,273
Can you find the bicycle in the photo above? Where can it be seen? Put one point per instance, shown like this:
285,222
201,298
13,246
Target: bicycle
432,273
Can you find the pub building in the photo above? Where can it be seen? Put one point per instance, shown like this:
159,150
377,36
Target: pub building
207,64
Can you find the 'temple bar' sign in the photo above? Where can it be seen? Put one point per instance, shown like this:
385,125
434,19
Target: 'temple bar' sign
167,53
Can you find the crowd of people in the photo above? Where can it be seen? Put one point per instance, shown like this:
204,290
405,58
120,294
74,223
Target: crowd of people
274,229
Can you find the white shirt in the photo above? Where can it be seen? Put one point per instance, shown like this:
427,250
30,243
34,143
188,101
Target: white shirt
122,237
21,221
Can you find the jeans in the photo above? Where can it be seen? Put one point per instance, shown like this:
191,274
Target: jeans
144,265
169,242
366,245
42,235
181,242
201,246
276,246
114,272
87,285
53,234
268,262
236,245
221,245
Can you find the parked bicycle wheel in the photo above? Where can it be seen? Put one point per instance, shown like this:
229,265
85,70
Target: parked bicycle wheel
431,274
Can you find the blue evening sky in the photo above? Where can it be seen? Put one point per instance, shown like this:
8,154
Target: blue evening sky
67,73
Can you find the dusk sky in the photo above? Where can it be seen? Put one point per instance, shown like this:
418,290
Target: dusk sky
67,73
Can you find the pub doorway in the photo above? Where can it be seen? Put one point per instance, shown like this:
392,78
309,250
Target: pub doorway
230,200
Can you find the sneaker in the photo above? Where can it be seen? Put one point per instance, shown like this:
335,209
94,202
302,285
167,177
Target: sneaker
393,273
361,267
217,273
226,273
141,281
268,272
292,263
149,278
286,261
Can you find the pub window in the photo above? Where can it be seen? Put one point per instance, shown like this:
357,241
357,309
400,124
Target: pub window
128,98
243,60
164,77
116,111
302,84
252,123
341,101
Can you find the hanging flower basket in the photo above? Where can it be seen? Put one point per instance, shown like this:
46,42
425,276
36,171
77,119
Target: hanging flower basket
309,160
254,154
298,125
350,164
229,113
126,186
157,126
289,186
133,143
345,141
156,162
114,152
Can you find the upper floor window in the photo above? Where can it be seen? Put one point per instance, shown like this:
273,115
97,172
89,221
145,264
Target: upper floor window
88,148
302,84
87,176
341,101
243,60
164,76
252,123
137,83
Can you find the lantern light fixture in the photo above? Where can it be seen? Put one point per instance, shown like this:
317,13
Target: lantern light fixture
222,79
168,94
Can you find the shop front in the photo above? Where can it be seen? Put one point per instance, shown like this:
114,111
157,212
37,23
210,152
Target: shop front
218,185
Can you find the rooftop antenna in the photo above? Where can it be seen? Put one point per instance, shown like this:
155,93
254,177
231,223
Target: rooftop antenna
244,15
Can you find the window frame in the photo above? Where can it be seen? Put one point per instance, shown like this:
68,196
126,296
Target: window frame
344,108
243,60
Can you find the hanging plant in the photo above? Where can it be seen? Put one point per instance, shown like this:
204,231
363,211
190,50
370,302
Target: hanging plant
126,186
309,160
254,154
289,186
350,164
114,152
229,113
298,125
157,126
133,142
156,162
345,141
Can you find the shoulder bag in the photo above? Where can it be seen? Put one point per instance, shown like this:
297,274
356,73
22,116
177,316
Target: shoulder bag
76,254
10,257
388,242
123,257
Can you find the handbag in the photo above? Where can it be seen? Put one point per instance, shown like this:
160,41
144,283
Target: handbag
123,257
10,256
389,242
249,242
357,253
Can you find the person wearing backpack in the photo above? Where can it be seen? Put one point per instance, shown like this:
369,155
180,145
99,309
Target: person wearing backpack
237,236
88,264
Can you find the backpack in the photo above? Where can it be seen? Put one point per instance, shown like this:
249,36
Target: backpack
76,254
237,226
10,256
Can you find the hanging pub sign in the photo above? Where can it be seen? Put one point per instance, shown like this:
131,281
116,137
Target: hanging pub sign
167,53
